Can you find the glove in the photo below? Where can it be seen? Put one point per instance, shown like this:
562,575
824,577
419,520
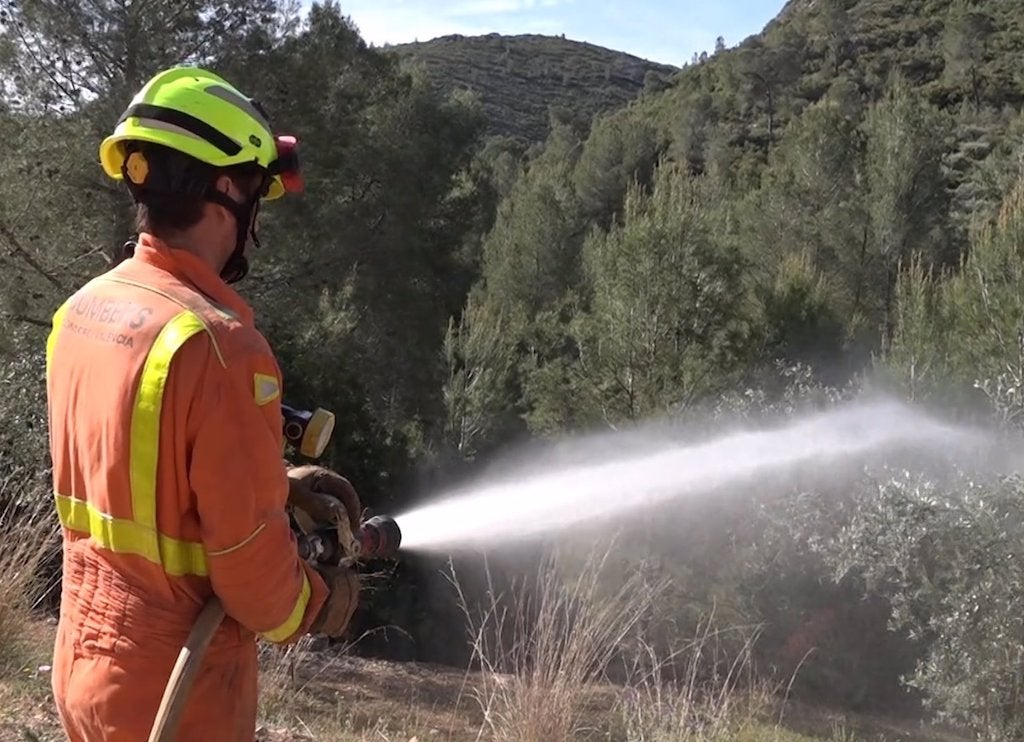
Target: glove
327,497
337,610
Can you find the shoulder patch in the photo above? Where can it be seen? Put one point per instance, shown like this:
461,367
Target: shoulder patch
223,312
265,388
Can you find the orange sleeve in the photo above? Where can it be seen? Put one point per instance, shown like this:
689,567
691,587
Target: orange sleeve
238,477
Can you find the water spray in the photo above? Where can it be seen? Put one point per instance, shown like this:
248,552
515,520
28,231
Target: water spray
624,475
601,482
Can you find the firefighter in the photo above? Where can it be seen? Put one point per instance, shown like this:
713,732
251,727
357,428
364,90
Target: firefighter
164,405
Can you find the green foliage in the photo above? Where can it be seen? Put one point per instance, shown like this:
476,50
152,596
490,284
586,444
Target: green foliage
803,324
667,317
824,635
906,138
810,204
531,256
23,425
959,329
964,42
941,549
946,555
389,187
617,151
65,54
480,357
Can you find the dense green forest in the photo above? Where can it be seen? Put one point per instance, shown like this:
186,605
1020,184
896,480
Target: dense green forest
833,204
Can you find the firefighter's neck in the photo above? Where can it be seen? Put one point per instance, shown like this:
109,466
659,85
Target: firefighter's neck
212,239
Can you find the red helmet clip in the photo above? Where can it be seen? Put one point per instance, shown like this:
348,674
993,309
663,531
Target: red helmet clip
287,163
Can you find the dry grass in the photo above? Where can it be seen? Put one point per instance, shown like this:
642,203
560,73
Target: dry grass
29,527
311,692
544,652
540,649
695,693
28,523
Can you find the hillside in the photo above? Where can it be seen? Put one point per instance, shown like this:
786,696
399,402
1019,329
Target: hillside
519,78
958,55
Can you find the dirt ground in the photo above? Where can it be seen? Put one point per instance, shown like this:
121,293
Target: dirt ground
319,695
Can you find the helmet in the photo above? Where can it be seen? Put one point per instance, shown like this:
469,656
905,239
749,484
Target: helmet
199,113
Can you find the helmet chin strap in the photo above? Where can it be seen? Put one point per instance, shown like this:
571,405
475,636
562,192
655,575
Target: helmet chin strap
237,266
200,184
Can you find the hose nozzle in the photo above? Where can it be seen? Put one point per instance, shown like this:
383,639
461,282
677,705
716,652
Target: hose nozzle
379,538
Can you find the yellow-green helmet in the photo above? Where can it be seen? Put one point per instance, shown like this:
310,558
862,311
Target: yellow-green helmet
199,113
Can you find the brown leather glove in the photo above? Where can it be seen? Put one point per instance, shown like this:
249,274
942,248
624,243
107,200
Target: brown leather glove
325,495
337,610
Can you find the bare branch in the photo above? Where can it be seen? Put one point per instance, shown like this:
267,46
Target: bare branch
18,317
71,95
16,248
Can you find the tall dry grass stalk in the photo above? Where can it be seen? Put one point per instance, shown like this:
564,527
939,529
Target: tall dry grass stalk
699,692
545,651
28,527
540,650
279,681
289,674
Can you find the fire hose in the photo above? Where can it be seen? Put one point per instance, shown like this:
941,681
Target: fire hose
377,538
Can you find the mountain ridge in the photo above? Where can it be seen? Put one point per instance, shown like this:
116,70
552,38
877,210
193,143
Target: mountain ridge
521,79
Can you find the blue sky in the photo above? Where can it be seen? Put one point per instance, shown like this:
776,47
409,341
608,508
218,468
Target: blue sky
668,31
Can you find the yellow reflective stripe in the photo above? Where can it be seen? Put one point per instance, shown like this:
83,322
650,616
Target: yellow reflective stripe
291,624
128,537
139,535
51,340
145,430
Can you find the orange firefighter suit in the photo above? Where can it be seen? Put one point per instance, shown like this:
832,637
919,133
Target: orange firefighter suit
166,443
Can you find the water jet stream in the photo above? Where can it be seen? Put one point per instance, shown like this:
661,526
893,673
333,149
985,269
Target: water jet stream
500,510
